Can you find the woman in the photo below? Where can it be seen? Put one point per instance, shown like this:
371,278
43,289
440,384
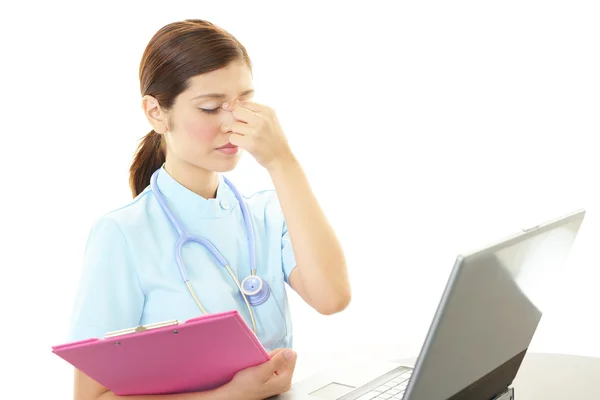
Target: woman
196,85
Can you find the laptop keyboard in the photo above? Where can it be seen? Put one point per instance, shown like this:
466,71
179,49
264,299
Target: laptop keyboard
393,389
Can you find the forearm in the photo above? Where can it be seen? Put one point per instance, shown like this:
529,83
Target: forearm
321,266
220,393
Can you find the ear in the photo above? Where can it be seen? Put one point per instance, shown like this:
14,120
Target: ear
155,114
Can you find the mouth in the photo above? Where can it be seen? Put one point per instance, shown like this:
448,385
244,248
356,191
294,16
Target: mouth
227,146
228,149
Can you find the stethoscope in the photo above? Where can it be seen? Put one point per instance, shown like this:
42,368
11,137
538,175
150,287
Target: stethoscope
254,289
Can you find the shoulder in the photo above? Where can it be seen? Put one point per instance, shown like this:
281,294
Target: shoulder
265,202
117,224
264,198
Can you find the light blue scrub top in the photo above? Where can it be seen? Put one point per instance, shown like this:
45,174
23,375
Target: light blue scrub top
129,275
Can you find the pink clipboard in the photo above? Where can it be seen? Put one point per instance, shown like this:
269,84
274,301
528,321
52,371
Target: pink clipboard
171,357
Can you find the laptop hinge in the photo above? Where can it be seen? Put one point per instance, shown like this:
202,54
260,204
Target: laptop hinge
508,395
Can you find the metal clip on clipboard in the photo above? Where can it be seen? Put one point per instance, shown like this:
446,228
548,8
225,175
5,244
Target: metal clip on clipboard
141,328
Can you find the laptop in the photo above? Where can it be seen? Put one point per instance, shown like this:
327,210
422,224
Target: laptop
481,330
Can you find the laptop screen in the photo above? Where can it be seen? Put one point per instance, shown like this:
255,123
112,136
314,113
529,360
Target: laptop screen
489,313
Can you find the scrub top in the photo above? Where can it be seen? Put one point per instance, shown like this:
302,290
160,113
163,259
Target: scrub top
129,275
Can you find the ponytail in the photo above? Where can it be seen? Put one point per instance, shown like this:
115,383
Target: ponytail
149,157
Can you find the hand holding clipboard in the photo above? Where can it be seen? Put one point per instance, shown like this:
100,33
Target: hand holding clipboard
212,352
265,380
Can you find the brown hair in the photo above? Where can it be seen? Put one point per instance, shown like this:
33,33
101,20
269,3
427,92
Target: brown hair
176,53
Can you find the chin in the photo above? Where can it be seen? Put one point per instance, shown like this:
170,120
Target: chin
225,165
215,163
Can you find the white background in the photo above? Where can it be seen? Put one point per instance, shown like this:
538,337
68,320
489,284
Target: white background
426,129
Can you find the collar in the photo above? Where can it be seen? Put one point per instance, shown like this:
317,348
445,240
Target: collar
186,204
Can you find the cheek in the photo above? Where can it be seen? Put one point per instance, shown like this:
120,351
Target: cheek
201,130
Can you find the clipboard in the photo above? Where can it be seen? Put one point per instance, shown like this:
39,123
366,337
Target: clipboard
168,357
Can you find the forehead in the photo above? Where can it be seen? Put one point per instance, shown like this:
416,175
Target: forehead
230,80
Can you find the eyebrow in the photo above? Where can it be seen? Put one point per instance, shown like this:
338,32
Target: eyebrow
220,95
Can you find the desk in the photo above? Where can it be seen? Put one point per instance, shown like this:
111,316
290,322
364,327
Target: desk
555,377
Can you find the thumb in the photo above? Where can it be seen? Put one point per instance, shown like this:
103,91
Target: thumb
280,359
275,351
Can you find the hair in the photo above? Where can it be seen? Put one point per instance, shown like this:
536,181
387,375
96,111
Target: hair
176,53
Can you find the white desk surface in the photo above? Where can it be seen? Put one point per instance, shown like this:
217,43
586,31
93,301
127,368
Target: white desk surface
544,376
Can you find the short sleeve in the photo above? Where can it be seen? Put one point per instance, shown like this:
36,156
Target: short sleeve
109,296
287,254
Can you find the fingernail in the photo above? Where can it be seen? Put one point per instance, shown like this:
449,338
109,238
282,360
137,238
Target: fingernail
288,354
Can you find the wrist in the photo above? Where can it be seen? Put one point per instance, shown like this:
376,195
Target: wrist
282,163
228,392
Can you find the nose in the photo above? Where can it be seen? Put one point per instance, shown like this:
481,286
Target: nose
227,117
226,120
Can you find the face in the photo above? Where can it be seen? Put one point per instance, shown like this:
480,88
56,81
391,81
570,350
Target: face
193,128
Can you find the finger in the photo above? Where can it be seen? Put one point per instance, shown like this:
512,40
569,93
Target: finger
278,385
273,353
288,368
277,350
281,381
278,361
256,107
245,142
238,127
241,113
290,365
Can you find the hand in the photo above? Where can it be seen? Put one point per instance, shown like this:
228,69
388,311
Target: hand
257,130
267,379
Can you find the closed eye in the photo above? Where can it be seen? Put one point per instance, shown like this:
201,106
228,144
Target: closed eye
210,111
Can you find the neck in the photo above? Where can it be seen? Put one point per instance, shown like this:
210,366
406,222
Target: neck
198,180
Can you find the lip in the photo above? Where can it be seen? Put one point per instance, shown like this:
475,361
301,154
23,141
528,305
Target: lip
228,149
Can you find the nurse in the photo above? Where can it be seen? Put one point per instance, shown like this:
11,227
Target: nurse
189,243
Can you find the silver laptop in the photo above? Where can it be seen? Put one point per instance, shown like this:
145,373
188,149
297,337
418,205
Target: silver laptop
483,326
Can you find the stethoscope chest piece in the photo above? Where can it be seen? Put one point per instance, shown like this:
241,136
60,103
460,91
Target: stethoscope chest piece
256,289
